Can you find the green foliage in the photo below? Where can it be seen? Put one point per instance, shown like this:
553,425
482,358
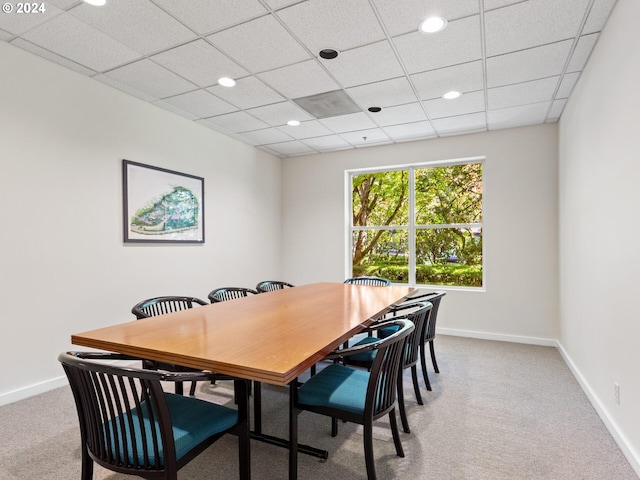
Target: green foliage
442,274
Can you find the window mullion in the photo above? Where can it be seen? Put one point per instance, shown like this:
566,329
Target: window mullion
411,277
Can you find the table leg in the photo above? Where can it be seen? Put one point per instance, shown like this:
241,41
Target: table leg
293,432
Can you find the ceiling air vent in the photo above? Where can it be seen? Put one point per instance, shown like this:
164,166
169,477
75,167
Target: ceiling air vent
328,104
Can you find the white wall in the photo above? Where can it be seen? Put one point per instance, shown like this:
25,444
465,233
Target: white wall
63,265
599,229
519,236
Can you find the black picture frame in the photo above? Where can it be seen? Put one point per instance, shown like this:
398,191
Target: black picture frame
161,205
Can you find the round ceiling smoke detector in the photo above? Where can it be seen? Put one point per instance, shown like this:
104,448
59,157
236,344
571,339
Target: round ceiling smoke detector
328,53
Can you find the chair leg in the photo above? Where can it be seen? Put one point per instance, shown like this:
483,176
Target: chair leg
179,388
396,434
192,390
416,387
433,357
87,464
334,427
368,451
403,412
423,362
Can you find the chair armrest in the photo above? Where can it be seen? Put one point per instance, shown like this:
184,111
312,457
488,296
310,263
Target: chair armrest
405,306
346,352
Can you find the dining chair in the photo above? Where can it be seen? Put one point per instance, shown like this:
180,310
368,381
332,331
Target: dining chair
129,425
224,294
355,395
271,285
153,307
418,314
373,281
430,331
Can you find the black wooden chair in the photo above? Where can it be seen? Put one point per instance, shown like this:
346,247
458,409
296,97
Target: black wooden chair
153,307
356,395
374,281
271,285
129,425
418,314
429,332
230,293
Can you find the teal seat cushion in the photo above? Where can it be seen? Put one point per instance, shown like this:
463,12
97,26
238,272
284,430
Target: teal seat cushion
387,331
193,421
336,386
364,357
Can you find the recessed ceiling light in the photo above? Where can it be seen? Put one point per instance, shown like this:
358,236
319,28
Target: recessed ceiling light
432,25
293,123
374,109
226,82
328,53
97,3
451,95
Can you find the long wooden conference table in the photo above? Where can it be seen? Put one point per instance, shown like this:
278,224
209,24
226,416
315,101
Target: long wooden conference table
271,337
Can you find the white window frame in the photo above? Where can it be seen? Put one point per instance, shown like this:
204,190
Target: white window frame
411,227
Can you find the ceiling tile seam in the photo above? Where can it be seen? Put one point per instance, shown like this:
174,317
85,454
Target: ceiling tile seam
402,65
37,25
483,47
570,55
502,6
56,54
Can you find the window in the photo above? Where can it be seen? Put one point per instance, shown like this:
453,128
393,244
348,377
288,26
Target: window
419,225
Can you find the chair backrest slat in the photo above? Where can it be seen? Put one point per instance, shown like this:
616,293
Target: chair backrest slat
372,281
163,305
224,294
272,285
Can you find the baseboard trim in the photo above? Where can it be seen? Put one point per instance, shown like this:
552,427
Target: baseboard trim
620,438
30,391
545,342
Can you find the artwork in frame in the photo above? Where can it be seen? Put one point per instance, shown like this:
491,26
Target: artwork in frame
161,206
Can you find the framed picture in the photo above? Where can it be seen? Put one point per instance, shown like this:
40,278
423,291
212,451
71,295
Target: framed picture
161,206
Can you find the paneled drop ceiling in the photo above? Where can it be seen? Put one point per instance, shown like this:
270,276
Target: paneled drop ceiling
515,62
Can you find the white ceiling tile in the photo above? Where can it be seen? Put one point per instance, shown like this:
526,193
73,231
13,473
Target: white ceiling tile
367,64
383,94
581,53
598,16
208,16
310,78
348,123
522,93
493,4
467,103
44,53
366,137
291,148
409,113
473,121
248,92
112,82
401,17
238,122
199,62
279,113
556,108
64,4
267,136
528,24
259,45
68,37
338,24
5,36
329,142
531,64
518,116
458,43
308,129
201,103
206,122
18,23
173,109
566,86
140,25
409,130
148,77
278,4
466,77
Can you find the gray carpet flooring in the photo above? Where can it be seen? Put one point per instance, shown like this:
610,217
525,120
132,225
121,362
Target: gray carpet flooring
497,411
